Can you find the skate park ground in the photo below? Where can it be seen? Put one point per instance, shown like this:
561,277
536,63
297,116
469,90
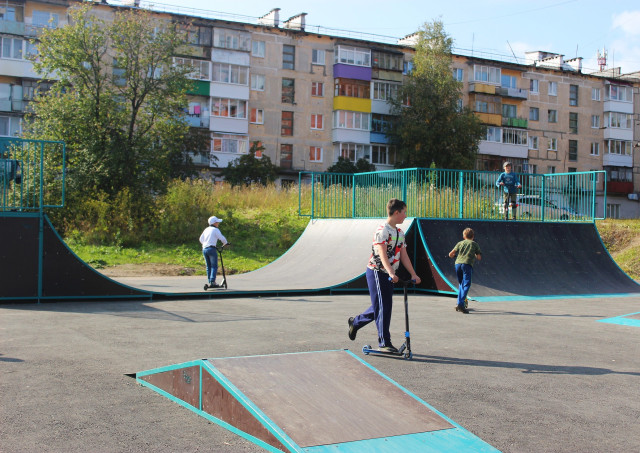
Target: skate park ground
539,375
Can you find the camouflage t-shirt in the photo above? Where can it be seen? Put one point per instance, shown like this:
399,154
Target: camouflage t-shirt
393,240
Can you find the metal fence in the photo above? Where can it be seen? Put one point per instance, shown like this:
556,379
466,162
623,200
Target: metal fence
450,194
32,174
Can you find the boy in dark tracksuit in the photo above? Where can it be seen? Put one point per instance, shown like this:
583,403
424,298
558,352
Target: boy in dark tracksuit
467,252
388,251
510,182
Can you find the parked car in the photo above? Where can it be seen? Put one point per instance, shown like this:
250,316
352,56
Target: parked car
530,208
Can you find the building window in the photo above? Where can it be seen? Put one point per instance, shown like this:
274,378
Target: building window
509,111
533,142
344,119
286,156
508,81
621,147
315,154
384,91
385,60
514,136
595,121
288,91
382,155
317,89
257,116
44,19
257,49
595,149
553,88
534,86
11,48
10,126
534,113
233,144
229,108
595,94
380,123
553,144
316,122
407,67
619,93
200,69
231,39
353,56
257,82
494,134
288,57
619,120
230,73
353,88
287,124
353,151
486,74
317,57
458,74
573,123
553,116
619,174
573,95
573,150
551,169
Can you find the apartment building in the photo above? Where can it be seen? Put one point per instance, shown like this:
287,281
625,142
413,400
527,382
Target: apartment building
310,98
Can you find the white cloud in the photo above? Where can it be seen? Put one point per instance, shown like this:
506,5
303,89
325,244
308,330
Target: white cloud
628,22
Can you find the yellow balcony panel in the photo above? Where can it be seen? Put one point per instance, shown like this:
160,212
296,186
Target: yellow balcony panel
482,88
352,104
495,119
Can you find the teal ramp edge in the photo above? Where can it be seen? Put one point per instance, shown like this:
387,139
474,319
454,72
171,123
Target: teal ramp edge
623,320
444,440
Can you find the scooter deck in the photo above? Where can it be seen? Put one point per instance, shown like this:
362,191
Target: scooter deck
402,352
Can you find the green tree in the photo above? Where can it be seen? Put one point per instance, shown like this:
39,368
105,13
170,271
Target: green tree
344,165
249,169
429,125
116,101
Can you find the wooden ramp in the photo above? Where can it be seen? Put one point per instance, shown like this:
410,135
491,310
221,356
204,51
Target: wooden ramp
310,402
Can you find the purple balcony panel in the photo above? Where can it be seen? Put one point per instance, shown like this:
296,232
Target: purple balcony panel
347,71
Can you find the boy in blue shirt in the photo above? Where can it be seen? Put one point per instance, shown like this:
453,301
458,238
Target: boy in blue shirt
510,182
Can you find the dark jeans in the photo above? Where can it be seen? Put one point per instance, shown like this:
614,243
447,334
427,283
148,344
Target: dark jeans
381,292
211,258
464,273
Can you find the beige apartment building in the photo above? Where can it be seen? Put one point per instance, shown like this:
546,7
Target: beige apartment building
310,98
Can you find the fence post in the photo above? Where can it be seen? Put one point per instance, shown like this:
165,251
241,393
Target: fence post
460,194
543,197
404,186
353,192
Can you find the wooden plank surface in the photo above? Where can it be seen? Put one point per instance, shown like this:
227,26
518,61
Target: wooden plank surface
327,397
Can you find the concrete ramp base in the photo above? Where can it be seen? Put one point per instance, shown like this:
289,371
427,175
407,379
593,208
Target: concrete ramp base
310,402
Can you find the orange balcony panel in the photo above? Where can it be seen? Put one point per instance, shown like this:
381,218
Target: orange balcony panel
495,119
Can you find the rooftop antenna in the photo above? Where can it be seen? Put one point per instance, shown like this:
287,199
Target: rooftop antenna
602,59
514,54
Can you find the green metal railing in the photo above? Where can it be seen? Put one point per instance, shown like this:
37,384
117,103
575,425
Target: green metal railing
32,174
440,193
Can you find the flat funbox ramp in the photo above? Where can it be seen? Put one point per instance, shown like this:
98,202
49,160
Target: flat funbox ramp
312,402
533,259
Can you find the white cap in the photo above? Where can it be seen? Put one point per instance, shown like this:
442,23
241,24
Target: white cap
214,219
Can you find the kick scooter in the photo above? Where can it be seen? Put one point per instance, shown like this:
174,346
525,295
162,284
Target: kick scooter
224,277
405,349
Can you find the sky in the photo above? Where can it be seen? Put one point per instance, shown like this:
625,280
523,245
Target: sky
494,29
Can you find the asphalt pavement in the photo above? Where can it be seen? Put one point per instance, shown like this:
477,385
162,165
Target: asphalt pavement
534,376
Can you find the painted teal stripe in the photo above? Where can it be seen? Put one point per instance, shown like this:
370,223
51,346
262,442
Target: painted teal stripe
623,320
252,408
446,440
176,366
561,296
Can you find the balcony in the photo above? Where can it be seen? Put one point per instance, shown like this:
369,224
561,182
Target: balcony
619,187
482,88
494,119
12,28
515,122
517,93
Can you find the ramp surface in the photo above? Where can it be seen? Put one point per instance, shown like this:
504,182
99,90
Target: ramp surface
528,258
317,401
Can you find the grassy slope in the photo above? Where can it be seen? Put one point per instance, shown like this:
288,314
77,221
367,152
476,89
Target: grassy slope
622,239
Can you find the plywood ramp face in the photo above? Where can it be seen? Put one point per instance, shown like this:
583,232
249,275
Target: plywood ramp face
329,397
182,383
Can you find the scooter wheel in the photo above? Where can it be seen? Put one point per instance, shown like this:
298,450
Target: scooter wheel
206,287
408,355
366,348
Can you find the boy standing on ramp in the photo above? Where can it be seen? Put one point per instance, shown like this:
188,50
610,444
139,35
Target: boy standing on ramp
388,251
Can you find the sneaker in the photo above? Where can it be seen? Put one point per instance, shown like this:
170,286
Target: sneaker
462,309
466,302
352,330
214,285
391,349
